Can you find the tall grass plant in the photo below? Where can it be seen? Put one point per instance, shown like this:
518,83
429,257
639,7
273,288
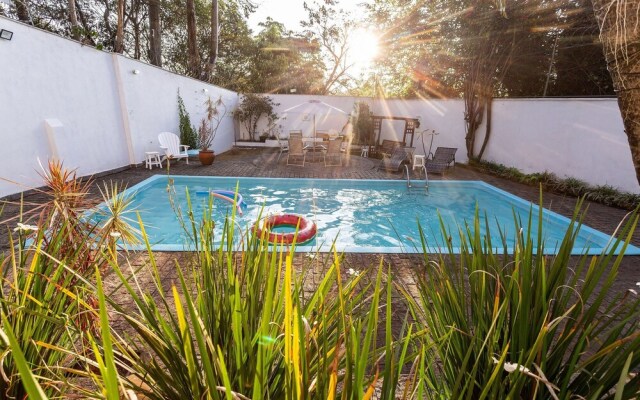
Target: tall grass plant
525,325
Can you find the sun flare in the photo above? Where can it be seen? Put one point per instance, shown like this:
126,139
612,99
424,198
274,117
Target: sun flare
363,48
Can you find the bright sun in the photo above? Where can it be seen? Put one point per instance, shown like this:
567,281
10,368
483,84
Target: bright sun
363,49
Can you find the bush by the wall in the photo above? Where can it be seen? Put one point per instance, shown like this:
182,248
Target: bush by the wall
603,194
188,134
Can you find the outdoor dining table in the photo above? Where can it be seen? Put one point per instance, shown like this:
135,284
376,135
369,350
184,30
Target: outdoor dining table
314,146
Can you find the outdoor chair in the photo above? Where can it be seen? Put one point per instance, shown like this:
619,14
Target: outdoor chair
296,151
323,135
295,133
173,150
333,155
388,146
441,160
399,157
284,147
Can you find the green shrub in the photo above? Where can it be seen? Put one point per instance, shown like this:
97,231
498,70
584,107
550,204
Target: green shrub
251,109
188,135
605,194
42,304
528,325
363,124
46,311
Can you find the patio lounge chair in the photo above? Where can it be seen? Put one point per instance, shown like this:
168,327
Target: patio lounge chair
441,160
173,150
388,146
295,133
296,151
333,155
394,162
284,147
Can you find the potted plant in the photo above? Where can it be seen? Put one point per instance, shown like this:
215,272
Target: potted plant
209,125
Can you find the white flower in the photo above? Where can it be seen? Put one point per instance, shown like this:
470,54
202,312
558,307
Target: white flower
115,234
634,292
511,367
25,228
353,272
637,283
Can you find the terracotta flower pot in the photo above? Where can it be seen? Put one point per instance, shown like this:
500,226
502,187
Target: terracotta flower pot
206,157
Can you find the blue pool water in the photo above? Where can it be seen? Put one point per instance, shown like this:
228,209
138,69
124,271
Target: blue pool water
366,216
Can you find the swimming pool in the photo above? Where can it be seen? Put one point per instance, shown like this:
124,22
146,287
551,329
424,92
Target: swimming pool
368,216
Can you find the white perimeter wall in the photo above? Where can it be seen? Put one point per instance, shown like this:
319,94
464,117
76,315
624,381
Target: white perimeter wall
111,116
580,138
107,122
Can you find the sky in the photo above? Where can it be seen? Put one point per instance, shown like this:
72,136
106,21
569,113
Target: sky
289,12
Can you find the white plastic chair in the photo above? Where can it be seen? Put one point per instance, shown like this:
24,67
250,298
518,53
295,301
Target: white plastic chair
170,143
284,147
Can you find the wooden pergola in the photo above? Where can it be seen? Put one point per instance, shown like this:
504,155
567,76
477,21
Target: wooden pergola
410,125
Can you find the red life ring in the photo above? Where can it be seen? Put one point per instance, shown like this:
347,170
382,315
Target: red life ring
306,229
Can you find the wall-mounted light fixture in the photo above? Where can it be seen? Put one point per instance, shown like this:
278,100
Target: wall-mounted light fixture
5,34
136,72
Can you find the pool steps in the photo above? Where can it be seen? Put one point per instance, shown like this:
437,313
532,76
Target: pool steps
410,184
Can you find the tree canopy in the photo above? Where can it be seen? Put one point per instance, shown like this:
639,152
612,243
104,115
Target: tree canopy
552,44
551,47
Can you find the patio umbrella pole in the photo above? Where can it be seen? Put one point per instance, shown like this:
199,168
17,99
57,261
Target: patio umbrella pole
313,145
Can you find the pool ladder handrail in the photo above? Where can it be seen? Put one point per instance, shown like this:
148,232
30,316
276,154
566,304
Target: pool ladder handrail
426,177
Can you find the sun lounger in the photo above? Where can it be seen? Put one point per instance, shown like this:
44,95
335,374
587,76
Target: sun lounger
441,160
394,162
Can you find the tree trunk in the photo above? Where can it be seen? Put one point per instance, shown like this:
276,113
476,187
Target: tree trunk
73,19
155,47
620,36
136,42
22,11
192,46
487,132
85,27
136,23
119,45
213,46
